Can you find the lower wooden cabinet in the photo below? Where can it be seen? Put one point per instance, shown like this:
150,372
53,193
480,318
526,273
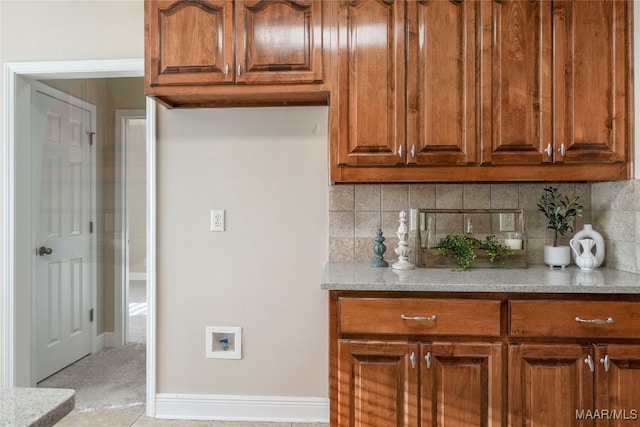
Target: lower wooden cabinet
398,359
419,384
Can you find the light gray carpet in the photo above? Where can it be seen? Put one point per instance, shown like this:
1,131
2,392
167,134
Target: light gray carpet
113,378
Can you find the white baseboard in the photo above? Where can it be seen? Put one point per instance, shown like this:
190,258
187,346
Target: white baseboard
137,276
242,408
109,339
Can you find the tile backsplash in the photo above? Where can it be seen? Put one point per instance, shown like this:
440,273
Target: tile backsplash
357,211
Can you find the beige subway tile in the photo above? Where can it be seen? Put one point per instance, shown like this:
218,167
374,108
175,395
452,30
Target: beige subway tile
504,196
395,198
422,196
341,224
367,223
341,249
368,198
449,196
476,196
341,198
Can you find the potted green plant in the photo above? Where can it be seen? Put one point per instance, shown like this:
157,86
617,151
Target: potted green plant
560,212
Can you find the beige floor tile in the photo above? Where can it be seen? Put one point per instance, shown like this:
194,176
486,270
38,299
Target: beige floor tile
153,422
100,419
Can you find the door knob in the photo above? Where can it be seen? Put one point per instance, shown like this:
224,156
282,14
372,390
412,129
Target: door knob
43,250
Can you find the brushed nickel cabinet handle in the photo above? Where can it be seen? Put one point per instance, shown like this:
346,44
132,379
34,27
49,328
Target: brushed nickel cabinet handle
548,150
589,361
413,359
427,358
595,321
227,69
413,151
562,150
606,362
400,151
239,69
420,318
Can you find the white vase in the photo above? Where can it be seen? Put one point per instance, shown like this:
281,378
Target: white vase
588,232
557,256
583,255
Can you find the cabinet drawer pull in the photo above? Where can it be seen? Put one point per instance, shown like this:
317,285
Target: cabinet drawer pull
562,150
548,150
226,69
413,359
589,361
239,69
597,321
605,362
427,358
400,151
420,318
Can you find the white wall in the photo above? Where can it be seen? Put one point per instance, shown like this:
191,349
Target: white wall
267,168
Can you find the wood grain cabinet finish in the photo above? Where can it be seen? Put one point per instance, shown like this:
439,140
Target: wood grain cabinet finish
194,46
559,78
481,91
516,360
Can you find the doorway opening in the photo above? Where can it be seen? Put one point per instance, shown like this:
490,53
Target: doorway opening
87,79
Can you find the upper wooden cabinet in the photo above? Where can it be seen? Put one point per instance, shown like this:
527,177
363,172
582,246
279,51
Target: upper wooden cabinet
194,49
559,73
481,90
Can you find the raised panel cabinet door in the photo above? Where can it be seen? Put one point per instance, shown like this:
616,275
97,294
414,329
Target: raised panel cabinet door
517,82
278,41
591,76
377,384
461,384
617,385
371,79
190,42
443,82
548,383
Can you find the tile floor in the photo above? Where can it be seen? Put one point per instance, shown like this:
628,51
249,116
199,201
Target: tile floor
137,419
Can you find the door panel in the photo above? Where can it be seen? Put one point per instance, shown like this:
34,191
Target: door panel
590,98
61,217
548,383
279,42
618,384
377,384
371,82
191,42
442,82
519,107
461,384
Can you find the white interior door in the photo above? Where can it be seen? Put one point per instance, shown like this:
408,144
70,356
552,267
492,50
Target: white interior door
62,226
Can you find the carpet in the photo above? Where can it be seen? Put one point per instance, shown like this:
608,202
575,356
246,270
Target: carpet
113,378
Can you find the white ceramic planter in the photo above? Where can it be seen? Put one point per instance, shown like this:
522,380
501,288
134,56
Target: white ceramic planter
557,256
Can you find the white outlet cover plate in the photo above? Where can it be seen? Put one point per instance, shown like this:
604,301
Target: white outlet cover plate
217,220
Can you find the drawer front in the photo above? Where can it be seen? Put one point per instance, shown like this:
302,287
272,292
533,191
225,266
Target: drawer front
607,319
419,316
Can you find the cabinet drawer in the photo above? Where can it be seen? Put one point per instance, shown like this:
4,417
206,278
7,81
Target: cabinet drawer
419,316
575,319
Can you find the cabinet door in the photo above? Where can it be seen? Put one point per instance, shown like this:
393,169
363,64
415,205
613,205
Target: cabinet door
442,82
371,78
517,87
618,384
377,384
190,42
548,383
278,41
461,384
591,80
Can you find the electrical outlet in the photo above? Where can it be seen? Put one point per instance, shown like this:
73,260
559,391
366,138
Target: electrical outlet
217,220
508,221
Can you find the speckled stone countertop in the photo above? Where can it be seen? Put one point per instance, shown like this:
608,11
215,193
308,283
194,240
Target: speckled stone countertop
34,407
534,279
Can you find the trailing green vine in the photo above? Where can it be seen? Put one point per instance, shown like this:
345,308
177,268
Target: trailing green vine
463,246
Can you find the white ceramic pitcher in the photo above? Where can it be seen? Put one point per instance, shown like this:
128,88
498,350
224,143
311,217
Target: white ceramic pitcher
585,259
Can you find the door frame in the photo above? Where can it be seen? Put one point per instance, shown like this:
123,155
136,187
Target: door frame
15,76
121,298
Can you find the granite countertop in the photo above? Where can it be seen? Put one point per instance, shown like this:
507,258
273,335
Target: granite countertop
34,407
534,279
